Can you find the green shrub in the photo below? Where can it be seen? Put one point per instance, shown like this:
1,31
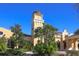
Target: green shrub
14,52
43,49
40,49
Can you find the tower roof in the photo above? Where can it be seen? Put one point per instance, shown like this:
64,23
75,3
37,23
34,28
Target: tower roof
37,13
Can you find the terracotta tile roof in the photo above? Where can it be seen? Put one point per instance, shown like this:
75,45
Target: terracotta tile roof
73,36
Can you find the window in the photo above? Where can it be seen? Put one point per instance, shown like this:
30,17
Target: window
1,33
78,43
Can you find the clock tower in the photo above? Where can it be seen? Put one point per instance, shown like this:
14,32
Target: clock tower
37,21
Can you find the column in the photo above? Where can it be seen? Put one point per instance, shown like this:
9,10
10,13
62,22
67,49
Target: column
71,46
76,45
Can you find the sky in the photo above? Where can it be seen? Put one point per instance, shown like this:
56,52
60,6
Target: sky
61,16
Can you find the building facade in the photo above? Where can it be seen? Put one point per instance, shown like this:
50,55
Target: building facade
7,33
63,39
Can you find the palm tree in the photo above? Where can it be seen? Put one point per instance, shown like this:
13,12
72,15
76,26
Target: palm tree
17,34
47,33
18,40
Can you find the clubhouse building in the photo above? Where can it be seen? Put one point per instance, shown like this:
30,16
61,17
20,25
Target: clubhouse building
64,40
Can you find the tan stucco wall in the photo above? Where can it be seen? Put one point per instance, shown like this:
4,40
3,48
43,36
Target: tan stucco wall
73,44
6,32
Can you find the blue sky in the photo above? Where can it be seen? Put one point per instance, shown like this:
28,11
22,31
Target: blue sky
61,16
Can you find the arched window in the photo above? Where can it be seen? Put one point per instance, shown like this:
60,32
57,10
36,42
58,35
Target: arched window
78,43
1,33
